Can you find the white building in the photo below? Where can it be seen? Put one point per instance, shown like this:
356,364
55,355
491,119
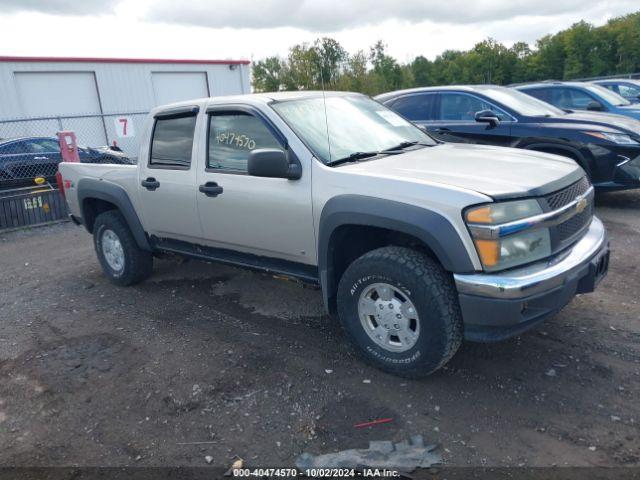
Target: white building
96,92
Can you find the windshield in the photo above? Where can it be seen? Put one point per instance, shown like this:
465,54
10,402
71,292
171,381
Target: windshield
521,102
607,95
353,124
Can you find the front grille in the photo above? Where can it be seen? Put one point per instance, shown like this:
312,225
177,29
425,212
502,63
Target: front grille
567,232
563,197
574,225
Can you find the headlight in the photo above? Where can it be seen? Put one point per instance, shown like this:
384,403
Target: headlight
619,138
501,247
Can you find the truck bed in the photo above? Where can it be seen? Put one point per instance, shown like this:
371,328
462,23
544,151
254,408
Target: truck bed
123,175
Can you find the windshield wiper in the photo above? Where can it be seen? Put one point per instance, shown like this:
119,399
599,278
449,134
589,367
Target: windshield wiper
353,157
403,145
362,155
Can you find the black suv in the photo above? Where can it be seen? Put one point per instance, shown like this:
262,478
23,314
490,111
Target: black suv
606,146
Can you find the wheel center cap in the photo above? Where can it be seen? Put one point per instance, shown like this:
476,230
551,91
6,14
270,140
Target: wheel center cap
389,315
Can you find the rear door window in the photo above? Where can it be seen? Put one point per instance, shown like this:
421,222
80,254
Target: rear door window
14,148
539,93
172,142
416,107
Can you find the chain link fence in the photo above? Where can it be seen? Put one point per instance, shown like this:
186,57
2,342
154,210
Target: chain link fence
30,154
29,146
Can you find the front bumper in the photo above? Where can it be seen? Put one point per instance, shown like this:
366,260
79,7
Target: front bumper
501,305
616,169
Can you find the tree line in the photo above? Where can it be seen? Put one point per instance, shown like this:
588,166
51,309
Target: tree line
582,50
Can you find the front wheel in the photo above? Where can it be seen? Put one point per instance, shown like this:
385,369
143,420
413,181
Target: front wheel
400,309
122,261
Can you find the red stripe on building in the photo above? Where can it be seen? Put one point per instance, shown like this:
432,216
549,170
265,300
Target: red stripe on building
122,60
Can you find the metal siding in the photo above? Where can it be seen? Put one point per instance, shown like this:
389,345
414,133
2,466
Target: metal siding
35,93
122,87
171,87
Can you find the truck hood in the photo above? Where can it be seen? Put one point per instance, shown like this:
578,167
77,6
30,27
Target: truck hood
494,171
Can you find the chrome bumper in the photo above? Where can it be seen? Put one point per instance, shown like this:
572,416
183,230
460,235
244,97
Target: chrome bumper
538,277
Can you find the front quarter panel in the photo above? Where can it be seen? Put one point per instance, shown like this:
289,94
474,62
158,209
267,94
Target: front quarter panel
435,200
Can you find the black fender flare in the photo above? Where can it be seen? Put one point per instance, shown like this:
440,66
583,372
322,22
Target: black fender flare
431,228
89,188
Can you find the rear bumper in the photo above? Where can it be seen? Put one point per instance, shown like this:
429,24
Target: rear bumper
501,305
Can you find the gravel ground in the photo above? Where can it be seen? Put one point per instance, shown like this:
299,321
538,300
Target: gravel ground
93,374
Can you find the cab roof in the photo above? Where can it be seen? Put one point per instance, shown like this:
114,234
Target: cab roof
266,97
458,88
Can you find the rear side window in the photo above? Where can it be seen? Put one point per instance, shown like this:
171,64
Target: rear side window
172,141
14,148
539,93
232,136
415,107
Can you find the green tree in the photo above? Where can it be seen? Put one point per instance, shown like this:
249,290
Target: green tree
387,74
329,57
268,74
581,50
422,70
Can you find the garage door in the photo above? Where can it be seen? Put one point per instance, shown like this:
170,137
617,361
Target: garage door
170,87
61,94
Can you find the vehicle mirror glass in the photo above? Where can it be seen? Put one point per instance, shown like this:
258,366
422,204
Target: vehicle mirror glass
594,106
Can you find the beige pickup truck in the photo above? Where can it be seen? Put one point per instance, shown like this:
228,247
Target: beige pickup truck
416,244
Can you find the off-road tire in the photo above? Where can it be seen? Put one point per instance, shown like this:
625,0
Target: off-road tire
138,263
429,287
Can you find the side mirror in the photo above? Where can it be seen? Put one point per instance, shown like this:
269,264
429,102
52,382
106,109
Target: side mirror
595,106
272,163
487,116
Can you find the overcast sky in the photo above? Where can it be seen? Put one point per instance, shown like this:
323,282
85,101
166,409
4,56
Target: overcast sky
255,29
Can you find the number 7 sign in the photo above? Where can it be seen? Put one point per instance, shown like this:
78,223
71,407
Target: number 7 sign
124,127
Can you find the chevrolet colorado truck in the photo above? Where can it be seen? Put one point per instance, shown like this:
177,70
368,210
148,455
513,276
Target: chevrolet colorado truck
416,244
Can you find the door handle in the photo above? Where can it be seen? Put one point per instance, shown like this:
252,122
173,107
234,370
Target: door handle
441,130
150,183
40,158
211,189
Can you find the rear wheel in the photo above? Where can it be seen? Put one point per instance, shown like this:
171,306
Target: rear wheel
400,309
122,261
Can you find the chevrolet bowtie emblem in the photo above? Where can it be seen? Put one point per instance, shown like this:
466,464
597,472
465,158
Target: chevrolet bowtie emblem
581,205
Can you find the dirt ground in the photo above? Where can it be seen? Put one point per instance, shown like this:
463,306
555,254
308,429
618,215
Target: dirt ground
93,374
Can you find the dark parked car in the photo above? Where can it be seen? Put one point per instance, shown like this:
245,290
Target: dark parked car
606,146
22,159
625,87
581,96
